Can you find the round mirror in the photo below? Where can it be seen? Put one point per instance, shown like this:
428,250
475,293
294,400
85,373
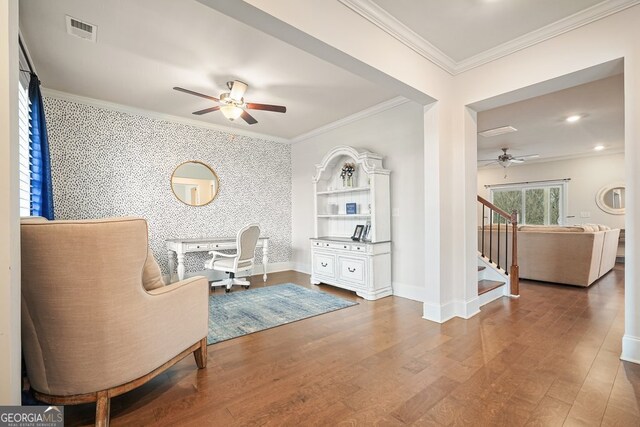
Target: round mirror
611,199
194,183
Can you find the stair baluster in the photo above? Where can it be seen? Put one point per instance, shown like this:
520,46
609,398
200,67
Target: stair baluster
511,269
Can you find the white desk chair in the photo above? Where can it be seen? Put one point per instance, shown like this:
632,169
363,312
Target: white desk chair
242,260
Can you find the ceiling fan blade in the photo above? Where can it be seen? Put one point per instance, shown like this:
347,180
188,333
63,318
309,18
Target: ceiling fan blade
528,156
201,95
490,163
238,89
516,160
487,160
266,107
248,118
206,110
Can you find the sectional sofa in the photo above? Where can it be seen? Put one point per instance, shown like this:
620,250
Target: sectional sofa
572,255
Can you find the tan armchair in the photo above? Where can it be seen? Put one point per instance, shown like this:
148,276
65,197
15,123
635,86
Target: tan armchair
90,330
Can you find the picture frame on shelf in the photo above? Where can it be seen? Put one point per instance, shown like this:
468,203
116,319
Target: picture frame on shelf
351,208
365,233
357,233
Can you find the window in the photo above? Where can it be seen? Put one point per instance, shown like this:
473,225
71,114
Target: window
24,151
541,203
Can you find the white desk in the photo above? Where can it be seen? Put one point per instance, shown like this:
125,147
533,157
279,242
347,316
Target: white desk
181,247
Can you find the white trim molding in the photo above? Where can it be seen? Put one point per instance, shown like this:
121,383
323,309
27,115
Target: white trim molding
301,267
378,108
392,26
403,290
456,308
630,349
51,93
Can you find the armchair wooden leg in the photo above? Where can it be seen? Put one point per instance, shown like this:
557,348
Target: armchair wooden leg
103,407
200,354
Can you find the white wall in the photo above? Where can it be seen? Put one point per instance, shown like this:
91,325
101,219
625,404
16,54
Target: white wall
397,134
588,175
10,376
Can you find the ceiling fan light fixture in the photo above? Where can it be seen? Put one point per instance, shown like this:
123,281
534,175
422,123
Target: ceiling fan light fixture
231,112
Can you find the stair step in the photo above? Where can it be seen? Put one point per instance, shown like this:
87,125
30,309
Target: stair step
481,267
485,286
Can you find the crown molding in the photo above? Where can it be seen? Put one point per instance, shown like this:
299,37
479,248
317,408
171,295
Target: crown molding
385,21
378,108
564,25
51,93
388,23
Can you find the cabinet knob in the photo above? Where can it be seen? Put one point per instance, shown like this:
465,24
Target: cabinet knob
345,247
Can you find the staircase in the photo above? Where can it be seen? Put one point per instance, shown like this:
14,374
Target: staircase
498,272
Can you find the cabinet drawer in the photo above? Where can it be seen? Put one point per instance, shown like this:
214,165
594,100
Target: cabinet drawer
316,244
352,269
324,264
359,248
343,246
197,246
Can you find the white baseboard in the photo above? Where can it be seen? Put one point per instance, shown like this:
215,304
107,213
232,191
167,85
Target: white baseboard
402,290
301,268
438,313
630,349
457,308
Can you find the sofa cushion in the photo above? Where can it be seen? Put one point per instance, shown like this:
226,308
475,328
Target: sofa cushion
589,227
151,274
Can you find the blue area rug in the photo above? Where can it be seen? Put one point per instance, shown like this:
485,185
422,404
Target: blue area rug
240,313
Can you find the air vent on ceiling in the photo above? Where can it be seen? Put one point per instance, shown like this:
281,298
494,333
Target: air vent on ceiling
81,29
497,131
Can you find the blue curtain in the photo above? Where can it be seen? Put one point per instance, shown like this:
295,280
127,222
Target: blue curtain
41,185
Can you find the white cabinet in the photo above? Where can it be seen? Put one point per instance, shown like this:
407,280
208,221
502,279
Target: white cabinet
364,267
360,266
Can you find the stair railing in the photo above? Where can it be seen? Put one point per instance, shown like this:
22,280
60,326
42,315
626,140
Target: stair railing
509,220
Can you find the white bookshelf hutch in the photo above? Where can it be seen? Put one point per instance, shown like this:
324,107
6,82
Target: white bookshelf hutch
360,266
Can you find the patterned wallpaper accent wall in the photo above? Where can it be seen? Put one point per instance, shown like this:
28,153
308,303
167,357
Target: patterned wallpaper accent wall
110,163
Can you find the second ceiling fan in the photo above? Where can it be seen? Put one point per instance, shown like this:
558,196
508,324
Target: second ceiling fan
233,103
505,159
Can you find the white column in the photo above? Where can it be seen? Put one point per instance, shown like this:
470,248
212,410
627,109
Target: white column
631,338
432,308
10,343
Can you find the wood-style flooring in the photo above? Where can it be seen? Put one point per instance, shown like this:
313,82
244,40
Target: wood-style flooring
548,358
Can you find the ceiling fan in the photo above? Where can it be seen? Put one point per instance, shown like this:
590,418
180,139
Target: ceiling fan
505,159
233,103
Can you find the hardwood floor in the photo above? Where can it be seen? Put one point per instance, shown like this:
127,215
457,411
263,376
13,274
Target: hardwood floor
548,358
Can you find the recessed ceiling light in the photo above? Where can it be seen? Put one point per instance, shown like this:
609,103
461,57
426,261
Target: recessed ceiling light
599,147
573,119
